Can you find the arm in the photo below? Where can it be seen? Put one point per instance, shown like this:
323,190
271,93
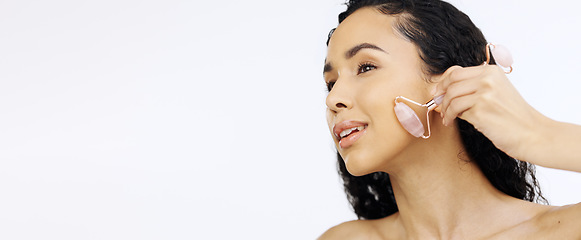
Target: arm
484,96
556,145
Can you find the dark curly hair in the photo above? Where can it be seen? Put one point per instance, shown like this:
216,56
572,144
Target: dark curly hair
445,37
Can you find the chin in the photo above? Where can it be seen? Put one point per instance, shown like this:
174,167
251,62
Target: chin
359,165
370,159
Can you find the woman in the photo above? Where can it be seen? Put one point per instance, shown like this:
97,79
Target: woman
462,182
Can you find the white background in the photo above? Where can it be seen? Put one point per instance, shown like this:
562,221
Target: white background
126,119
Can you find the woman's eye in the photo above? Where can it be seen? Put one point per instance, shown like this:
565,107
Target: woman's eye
365,67
330,86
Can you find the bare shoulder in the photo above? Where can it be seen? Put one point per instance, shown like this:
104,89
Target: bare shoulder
360,229
561,221
555,222
357,229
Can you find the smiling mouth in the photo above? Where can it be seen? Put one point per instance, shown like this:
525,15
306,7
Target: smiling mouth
348,132
349,136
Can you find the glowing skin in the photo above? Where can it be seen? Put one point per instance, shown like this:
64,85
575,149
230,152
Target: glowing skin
440,193
366,94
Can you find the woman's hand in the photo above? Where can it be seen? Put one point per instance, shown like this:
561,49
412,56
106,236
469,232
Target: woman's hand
483,96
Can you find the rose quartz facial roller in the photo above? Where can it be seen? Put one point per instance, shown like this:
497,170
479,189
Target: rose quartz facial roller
411,122
408,118
501,55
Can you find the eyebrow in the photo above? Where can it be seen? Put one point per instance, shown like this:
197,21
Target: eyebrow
352,52
327,68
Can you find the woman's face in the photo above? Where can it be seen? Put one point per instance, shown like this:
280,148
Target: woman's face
368,64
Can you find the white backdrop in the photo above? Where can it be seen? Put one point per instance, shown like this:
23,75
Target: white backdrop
126,119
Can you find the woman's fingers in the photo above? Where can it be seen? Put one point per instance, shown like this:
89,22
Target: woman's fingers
457,90
462,88
455,74
458,106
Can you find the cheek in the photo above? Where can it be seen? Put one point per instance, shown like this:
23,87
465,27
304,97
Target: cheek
389,137
386,139
380,100
378,103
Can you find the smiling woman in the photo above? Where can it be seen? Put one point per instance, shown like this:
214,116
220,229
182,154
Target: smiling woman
466,174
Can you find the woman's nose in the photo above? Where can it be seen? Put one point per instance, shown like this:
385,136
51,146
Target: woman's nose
339,97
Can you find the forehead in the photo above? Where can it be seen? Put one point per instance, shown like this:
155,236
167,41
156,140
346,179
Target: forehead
366,25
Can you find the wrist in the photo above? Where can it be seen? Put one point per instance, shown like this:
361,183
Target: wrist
539,137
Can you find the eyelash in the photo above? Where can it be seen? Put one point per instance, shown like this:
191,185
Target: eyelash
362,68
330,86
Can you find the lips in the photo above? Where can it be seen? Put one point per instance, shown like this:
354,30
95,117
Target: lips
348,132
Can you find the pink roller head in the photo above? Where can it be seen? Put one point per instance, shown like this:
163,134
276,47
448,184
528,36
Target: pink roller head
408,119
502,56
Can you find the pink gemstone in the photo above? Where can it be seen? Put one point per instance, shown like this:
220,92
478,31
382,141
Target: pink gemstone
438,100
502,56
408,119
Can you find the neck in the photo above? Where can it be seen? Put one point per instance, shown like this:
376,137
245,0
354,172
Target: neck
441,194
